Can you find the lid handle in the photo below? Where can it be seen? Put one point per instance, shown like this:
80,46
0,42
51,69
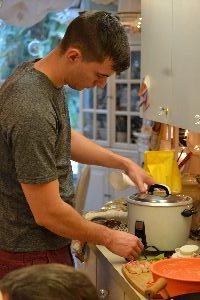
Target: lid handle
159,186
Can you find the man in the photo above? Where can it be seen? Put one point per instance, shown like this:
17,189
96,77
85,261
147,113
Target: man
50,282
37,219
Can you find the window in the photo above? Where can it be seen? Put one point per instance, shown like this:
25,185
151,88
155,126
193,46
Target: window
18,44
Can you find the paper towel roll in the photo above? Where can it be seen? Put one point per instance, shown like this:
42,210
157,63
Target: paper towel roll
120,181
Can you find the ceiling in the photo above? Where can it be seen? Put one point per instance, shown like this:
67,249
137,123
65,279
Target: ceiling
27,13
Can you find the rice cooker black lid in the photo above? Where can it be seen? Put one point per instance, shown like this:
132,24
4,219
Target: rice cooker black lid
161,197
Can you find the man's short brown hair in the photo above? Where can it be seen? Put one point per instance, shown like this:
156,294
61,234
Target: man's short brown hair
99,35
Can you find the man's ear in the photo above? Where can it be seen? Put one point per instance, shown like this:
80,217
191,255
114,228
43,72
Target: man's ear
73,55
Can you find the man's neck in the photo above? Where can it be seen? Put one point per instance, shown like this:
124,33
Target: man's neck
48,66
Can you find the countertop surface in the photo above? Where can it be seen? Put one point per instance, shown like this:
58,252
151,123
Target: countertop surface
117,262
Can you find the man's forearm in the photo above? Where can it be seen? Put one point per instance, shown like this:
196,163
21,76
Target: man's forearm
51,212
87,152
64,221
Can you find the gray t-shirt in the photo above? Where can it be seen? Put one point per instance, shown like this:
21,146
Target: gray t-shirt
34,148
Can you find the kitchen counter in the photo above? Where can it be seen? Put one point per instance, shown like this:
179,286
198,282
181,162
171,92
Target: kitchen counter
105,270
116,262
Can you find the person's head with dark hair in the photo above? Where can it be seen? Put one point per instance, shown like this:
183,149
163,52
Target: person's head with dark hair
51,281
98,35
94,47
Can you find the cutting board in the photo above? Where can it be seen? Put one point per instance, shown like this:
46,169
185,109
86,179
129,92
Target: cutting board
139,281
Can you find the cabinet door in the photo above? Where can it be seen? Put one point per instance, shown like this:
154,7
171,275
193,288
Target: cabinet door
108,283
157,56
89,266
186,64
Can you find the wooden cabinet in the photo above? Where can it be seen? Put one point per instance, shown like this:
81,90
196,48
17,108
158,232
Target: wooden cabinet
186,64
170,58
156,55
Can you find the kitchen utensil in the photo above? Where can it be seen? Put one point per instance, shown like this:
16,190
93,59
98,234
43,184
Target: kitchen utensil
161,284
182,275
183,162
193,142
180,154
162,221
156,287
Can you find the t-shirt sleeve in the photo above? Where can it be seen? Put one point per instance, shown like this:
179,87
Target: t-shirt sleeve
33,141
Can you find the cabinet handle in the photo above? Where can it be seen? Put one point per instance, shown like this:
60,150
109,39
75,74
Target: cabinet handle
197,120
107,195
103,294
163,111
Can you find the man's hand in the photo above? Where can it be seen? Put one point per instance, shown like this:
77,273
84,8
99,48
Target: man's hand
125,244
139,176
93,154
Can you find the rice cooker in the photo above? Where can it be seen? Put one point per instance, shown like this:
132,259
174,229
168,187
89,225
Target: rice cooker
161,220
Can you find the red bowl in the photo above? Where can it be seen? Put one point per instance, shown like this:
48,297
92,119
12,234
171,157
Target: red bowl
182,275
